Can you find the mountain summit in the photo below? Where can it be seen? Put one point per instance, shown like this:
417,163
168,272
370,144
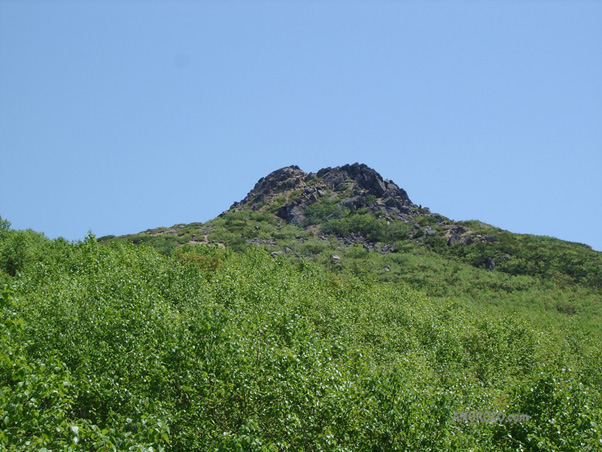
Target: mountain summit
351,187
339,214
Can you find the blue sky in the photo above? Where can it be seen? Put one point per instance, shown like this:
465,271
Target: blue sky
119,116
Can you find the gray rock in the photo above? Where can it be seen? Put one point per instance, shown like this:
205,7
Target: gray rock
489,264
454,235
390,185
352,203
292,213
390,201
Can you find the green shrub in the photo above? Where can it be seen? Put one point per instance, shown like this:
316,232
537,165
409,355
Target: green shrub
319,211
207,258
374,229
426,220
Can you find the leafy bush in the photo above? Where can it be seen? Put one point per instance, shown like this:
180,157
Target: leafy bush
426,220
564,414
319,211
374,229
207,258
125,348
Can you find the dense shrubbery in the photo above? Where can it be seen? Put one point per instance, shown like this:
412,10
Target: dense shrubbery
517,254
374,229
320,211
118,347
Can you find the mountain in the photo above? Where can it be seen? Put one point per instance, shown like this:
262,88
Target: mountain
323,312
336,210
350,187
333,193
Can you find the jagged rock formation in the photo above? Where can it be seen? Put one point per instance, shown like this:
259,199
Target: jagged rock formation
351,186
294,195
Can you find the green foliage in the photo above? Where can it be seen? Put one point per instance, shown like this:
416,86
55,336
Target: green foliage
4,226
207,258
374,229
564,414
426,220
318,212
22,249
546,257
476,225
115,346
295,194
34,395
39,401
165,244
419,233
312,247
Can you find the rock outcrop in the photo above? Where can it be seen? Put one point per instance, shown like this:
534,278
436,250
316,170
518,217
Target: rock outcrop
351,186
299,197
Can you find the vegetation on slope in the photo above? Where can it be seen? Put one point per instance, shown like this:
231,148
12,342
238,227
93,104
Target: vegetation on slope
537,276
120,347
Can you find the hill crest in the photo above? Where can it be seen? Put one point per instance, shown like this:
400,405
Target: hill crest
351,210
352,187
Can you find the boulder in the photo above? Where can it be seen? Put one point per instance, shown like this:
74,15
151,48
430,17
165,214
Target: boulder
489,264
293,213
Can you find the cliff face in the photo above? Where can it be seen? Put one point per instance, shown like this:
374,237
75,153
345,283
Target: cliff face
350,186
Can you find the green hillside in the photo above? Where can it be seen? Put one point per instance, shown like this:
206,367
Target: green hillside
299,322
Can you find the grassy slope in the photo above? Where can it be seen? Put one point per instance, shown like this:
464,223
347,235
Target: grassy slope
535,277
231,349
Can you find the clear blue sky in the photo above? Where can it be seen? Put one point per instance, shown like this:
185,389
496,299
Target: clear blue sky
118,116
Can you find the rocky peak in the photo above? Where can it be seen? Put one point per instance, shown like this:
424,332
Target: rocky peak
280,181
365,177
354,186
367,180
